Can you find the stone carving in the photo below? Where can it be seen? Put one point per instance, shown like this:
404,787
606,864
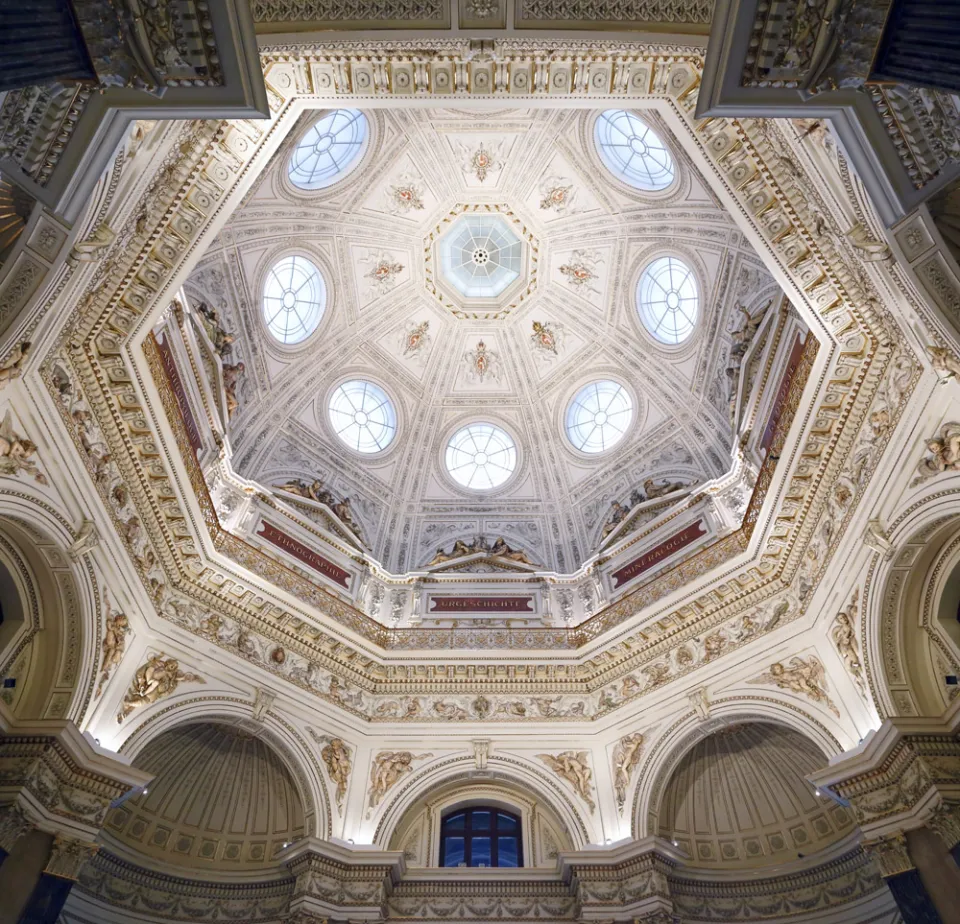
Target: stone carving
547,339
499,549
805,677
373,11
558,194
945,363
154,680
16,452
844,636
615,11
315,491
482,161
654,490
581,270
12,367
87,538
214,329
13,825
405,196
383,271
88,250
113,644
891,854
336,756
944,452
388,767
481,363
626,756
68,856
572,767
415,339
231,381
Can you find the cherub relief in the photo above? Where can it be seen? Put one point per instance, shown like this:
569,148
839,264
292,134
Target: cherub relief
16,452
944,452
12,367
388,767
572,767
113,644
803,677
626,756
947,365
845,638
336,756
158,678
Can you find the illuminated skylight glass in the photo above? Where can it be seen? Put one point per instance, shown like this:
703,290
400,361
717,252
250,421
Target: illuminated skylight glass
294,299
480,255
633,151
598,416
667,300
481,456
329,150
363,416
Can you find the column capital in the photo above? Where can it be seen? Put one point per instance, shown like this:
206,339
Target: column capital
68,856
890,853
945,821
14,823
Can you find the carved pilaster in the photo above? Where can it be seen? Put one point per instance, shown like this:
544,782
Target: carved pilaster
890,853
68,856
13,825
945,821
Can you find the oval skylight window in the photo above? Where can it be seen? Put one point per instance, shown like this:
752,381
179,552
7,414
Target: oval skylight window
633,151
363,416
667,300
329,150
598,416
480,456
294,299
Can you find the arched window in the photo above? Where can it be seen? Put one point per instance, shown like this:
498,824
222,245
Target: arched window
481,836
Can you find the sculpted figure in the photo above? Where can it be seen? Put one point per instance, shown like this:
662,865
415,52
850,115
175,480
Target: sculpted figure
845,638
626,756
944,452
654,490
16,452
572,767
872,250
749,324
157,678
618,513
231,379
336,755
113,644
500,549
344,513
388,767
944,362
321,495
12,367
803,677
210,319
295,486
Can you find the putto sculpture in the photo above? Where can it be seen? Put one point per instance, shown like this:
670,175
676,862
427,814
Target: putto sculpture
154,680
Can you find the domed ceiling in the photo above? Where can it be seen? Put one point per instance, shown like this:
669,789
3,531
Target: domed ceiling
740,798
219,798
470,278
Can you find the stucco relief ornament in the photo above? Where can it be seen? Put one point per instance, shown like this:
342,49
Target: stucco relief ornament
547,340
805,677
231,381
482,363
12,367
388,767
383,271
16,452
114,643
945,364
844,636
626,756
481,162
944,452
336,755
154,680
405,196
557,194
580,271
572,767
415,338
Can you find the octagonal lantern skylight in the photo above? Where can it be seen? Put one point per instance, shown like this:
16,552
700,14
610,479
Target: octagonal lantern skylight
480,256
598,416
363,416
667,300
633,151
329,150
480,456
294,299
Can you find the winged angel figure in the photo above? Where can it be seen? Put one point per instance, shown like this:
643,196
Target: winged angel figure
803,677
572,767
16,452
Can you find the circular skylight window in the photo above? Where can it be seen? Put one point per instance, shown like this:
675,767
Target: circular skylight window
598,416
329,150
294,299
633,151
363,416
667,300
480,255
480,456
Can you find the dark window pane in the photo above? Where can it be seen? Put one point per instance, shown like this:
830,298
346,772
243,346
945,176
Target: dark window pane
506,823
480,850
453,851
507,853
481,821
454,822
